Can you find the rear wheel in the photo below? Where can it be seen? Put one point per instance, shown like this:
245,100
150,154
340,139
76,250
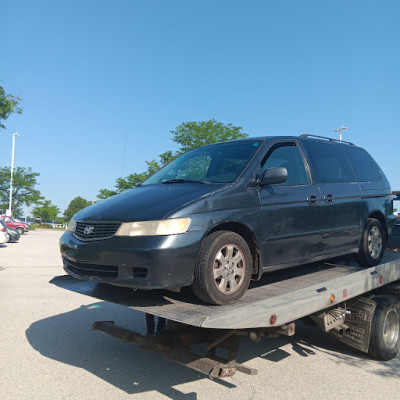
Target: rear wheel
223,270
385,330
372,245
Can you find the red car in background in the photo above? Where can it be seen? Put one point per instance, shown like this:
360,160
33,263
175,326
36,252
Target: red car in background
21,227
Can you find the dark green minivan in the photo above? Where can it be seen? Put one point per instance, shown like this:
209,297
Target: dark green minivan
220,215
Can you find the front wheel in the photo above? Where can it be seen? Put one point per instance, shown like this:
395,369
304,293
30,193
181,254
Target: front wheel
223,269
20,231
372,245
385,330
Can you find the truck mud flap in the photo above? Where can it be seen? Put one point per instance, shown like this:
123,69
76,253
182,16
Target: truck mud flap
356,328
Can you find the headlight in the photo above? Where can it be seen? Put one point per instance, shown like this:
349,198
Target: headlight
71,225
173,226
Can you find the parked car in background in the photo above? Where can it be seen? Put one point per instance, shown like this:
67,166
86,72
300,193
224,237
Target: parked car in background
3,235
21,227
394,241
13,234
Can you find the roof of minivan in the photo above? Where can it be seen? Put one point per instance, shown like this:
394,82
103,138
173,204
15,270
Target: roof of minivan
301,137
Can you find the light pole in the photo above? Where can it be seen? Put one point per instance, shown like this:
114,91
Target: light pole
12,171
342,128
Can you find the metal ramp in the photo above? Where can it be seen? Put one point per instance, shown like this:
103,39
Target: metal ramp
279,298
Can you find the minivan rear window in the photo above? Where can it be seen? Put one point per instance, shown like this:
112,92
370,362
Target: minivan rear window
364,165
329,163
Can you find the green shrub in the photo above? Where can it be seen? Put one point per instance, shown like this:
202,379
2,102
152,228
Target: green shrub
45,226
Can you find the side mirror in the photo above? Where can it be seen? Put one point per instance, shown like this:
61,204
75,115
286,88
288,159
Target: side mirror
273,175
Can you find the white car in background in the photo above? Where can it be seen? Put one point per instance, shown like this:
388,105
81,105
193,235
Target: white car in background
3,235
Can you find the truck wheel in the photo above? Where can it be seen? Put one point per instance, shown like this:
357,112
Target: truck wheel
385,330
372,245
223,269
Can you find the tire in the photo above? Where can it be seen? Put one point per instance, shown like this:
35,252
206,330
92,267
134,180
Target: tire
385,330
372,245
20,231
223,269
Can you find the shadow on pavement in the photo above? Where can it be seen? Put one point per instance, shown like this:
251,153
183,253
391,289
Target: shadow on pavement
68,339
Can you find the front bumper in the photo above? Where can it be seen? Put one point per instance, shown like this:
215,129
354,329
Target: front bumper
151,262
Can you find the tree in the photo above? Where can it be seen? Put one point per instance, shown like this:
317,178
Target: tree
189,135
135,179
9,104
24,190
106,193
75,205
45,210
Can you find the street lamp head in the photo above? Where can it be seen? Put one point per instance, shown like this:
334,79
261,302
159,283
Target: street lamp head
16,134
340,129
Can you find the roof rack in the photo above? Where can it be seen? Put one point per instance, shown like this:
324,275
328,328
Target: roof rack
306,135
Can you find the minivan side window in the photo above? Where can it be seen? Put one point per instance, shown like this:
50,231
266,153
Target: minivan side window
288,155
364,165
329,163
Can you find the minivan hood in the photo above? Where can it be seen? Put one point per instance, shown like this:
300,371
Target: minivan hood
145,203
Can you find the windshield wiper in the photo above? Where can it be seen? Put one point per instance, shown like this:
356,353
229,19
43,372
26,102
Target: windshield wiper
182,181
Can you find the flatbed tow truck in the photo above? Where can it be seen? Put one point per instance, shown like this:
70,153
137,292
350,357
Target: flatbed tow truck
358,306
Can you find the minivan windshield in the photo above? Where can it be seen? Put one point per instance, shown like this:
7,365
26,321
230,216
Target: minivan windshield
219,163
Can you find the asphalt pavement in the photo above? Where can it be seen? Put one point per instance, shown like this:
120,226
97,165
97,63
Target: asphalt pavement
47,350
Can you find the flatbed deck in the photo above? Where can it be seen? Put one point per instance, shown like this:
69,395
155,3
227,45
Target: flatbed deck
279,298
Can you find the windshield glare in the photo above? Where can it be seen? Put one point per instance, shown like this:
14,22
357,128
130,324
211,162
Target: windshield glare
219,163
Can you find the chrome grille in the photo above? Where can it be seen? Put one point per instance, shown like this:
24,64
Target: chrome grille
95,231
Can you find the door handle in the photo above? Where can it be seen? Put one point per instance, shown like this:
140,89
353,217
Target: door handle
311,199
328,198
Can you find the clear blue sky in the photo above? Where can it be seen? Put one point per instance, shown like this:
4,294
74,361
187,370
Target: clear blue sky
93,72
